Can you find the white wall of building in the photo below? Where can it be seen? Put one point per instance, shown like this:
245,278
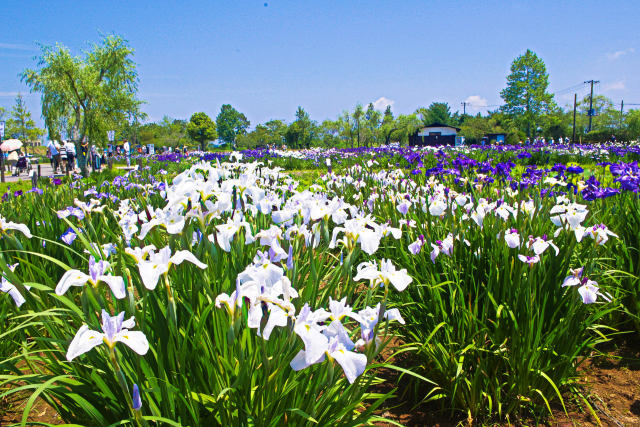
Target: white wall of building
444,131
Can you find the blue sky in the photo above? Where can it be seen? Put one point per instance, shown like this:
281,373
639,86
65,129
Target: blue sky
267,57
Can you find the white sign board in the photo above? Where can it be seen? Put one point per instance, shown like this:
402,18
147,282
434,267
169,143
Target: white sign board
152,149
111,134
1,129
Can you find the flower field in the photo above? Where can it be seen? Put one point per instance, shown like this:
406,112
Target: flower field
239,289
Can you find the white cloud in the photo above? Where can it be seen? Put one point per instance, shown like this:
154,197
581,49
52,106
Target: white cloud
476,102
619,85
5,94
13,46
617,54
381,103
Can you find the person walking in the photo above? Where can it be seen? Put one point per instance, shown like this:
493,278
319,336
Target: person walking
94,155
55,155
49,156
63,156
70,147
127,152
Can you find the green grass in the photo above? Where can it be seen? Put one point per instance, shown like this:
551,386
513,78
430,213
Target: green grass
15,186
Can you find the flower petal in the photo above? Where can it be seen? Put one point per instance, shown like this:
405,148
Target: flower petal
116,283
84,341
300,361
136,340
71,278
353,364
181,256
150,273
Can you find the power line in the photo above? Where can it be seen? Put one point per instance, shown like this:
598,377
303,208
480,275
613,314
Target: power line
483,105
569,89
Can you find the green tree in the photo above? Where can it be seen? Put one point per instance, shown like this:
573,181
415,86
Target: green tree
438,112
201,129
301,132
270,133
388,125
329,133
557,124
275,130
632,121
231,123
22,125
346,127
91,94
526,97
357,116
474,128
373,121
607,116
405,125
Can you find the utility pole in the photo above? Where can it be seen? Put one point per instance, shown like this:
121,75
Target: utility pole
464,108
621,108
591,101
575,103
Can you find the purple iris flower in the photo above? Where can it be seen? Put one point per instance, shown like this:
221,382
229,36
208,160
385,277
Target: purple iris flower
97,269
524,155
35,190
69,236
71,210
575,169
137,402
290,258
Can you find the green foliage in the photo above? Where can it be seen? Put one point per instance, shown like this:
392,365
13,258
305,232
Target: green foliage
21,125
230,123
607,116
301,132
373,120
526,97
405,125
201,129
90,94
272,133
474,128
632,121
166,133
557,125
205,366
438,112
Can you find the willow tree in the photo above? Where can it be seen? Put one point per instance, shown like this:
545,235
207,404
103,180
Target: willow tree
90,94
